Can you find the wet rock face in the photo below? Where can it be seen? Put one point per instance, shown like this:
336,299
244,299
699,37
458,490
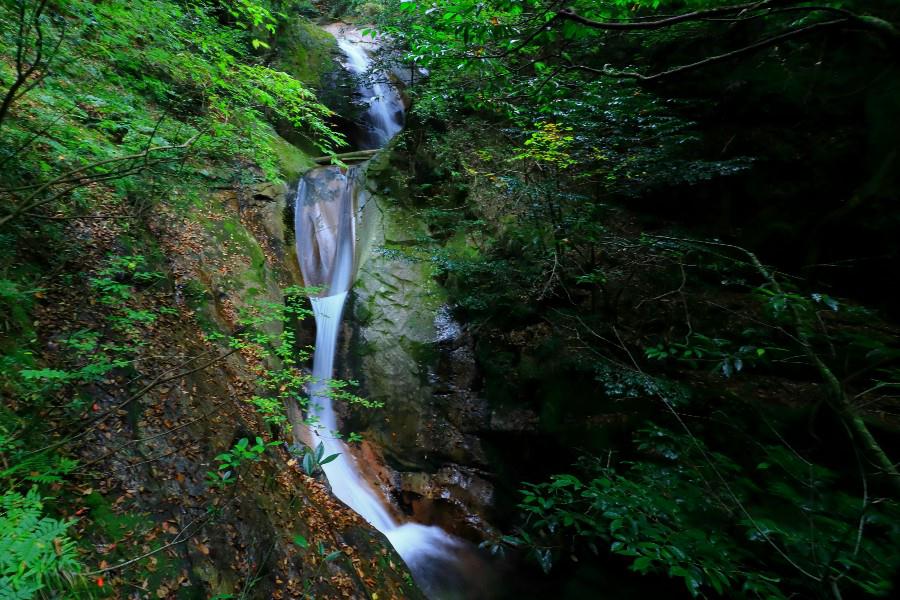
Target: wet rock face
454,383
401,342
306,51
455,498
514,420
421,367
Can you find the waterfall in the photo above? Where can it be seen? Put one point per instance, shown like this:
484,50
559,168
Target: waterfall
325,224
384,108
342,474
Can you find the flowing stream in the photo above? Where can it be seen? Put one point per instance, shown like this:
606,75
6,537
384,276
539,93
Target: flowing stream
328,202
383,118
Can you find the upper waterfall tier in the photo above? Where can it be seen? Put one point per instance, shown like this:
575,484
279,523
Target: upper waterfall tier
383,118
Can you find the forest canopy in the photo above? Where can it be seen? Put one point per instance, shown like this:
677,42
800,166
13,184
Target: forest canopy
664,233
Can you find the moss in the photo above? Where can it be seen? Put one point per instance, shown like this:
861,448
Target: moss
199,299
365,311
306,52
109,523
232,231
291,160
257,261
15,312
423,353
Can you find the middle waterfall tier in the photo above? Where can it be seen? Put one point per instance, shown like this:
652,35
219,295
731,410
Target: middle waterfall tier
328,200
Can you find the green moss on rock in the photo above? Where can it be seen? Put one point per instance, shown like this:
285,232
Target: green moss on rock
306,51
291,159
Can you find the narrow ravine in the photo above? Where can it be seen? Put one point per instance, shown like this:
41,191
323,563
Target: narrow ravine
328,204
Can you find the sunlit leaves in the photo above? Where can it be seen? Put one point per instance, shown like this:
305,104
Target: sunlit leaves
550,144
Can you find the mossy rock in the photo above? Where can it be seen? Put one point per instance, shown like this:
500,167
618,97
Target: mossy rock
307,52
292,161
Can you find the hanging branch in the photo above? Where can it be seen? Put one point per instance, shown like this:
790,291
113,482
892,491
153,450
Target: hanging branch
567,14
774,40
197,523
736,13
81,177
160,379
346,156
741,12
838,399
25,68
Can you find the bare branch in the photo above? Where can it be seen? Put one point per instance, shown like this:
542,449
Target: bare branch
180,538
159,380
710,60
36,135
568,14
837,396
23,72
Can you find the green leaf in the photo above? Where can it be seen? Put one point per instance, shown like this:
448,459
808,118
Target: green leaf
544,559
45,374
642,564
329,458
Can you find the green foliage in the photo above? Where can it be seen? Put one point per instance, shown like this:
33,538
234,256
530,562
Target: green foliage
43,557
485,284
618,383
93,359
769,528
268,331
720,353
230,461
313,459
249,14
185,90
129,76
14,305
325,558
35,550
114,282
526,243
550,144
271,409
39,467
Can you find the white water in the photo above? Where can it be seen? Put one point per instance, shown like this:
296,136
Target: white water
326,228
417,544
384,112
423,548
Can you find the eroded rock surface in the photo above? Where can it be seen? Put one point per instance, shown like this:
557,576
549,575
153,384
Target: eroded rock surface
401,343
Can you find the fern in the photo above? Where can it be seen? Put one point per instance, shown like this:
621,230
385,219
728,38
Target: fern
41,468
35,551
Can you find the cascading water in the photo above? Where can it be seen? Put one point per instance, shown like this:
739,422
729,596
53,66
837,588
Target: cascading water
384,107
325,224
